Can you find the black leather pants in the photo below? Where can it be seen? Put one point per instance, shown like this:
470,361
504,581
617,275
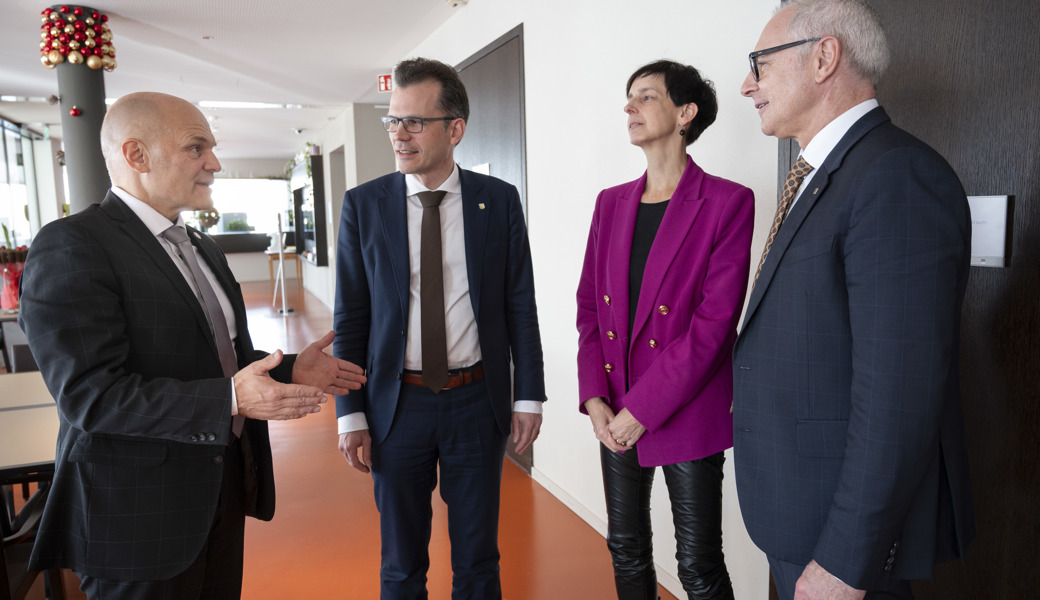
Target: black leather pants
695,492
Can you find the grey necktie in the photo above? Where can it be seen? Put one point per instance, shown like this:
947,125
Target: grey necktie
211,306
431,294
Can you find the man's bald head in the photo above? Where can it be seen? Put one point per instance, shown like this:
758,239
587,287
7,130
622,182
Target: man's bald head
159,148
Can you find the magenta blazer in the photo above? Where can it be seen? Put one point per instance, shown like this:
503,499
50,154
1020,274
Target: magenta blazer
677,367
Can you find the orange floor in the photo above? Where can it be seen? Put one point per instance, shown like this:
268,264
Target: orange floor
324,539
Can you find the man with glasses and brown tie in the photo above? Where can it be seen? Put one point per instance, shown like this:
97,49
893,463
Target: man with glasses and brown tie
435,297
139,329
848,436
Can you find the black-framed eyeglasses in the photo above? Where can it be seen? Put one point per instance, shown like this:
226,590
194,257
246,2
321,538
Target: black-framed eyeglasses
753,57
411,124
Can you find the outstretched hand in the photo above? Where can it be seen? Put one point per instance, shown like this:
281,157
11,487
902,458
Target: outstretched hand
332,375
260,397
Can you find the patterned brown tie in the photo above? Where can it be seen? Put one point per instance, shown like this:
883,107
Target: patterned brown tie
431,294
791,184
211,306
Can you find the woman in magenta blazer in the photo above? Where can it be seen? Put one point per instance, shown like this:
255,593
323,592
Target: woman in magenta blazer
661,290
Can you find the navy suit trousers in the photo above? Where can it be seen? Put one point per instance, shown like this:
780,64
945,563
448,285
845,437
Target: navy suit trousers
455,430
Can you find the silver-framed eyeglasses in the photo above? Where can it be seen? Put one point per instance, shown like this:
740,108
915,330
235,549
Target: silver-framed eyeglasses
411,124
753,57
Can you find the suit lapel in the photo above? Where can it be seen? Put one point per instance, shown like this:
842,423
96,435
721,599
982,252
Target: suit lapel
805,203
619,253
152,248
476,206
393,218
678,219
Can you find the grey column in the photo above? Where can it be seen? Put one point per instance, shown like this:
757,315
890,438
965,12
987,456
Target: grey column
84,88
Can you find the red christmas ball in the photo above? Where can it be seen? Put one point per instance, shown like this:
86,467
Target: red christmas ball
77,11
60,23
75,111
47,11
99,51
64,49
64,8
104,18
63,38
79,25
98,29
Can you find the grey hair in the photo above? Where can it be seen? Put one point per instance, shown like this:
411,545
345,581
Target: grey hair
856,25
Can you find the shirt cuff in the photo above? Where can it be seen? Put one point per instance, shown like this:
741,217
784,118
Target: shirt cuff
528,406
352,422
234,399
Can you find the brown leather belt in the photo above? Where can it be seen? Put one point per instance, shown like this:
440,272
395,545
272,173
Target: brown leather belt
456,377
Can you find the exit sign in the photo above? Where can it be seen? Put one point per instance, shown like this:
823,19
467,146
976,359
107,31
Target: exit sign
386,83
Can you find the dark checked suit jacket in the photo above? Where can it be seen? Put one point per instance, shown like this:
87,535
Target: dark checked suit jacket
125,349
372,295
849,441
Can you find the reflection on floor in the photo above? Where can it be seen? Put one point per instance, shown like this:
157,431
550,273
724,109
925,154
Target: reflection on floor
324,539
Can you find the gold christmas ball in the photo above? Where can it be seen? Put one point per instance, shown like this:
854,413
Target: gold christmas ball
71,18
94,62
55,57
90,43
89,20
74,45
75,57
43,44
113,66
45,34
104,27
54,16
108,62
55,44
69,29
46,61
90,33
44,18
55,32
107,36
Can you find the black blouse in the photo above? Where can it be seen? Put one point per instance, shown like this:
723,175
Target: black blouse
648,221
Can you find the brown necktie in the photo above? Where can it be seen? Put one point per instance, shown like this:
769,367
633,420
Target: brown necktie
791,184
211,306
431,294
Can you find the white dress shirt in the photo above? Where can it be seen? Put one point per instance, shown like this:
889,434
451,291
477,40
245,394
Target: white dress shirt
460,322
824,142
157,224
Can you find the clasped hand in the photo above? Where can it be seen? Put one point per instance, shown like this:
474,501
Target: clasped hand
617,432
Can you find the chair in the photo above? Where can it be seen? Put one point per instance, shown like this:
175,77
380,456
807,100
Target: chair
18,536
22,359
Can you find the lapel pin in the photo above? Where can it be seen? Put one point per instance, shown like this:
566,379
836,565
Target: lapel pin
481,205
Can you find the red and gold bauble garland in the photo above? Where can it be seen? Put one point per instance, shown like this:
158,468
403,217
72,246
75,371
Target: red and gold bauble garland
77,35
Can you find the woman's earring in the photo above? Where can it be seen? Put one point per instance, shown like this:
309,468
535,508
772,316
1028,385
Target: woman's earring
682,132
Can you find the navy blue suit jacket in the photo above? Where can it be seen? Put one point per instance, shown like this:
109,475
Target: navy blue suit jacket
849,440
126,351
372,294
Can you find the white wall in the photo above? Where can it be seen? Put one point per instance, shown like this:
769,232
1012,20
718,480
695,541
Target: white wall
578,56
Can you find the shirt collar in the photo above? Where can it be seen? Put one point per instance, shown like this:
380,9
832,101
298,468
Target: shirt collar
828,137
452,185
152,219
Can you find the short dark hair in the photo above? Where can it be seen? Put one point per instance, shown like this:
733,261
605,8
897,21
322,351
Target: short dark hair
453,99
684,85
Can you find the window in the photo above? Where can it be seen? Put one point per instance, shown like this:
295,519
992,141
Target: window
249,205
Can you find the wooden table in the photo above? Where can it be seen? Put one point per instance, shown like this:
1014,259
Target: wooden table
290,255
28,425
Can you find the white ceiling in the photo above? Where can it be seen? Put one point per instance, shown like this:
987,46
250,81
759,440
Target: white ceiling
322,54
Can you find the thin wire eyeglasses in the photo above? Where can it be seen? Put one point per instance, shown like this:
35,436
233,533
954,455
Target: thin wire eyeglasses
753,57
411,124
